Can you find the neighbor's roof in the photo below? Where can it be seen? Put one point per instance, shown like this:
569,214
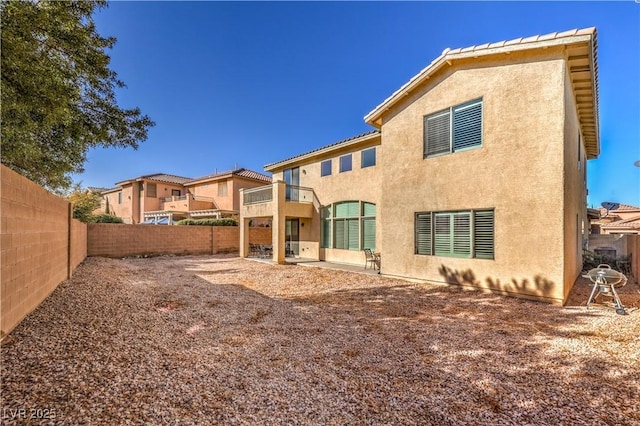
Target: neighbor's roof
241,172
631,223
345,142
581,48
159,177
98,189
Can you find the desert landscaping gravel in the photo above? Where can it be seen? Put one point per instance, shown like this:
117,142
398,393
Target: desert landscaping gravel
223,340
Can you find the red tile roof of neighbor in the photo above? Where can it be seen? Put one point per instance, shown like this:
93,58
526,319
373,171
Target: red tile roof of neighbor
632,223
617,207
159,177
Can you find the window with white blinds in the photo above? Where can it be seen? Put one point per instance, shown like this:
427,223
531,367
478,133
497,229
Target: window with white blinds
455,129
468,234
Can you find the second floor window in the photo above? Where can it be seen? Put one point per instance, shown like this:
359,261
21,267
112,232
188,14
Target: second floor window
119,197
368,158
454,129
151,190
345,163
325,168
222,189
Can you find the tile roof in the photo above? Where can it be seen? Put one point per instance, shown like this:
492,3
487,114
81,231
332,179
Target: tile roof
159,177
631,223
352,139
98,189
588,108
241,172
617,207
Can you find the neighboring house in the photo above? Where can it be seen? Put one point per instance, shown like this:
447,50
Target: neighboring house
475,174
164,199
132,198
617,218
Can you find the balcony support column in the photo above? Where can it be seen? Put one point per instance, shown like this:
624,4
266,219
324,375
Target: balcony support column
279,222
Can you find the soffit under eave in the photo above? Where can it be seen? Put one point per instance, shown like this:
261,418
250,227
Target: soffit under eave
582,65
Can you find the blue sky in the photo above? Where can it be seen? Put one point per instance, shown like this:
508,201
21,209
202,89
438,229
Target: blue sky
250,83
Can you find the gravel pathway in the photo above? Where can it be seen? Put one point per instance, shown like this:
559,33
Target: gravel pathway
221,340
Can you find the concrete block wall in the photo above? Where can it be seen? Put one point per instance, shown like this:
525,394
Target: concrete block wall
121,240
36,248
78,247
260,235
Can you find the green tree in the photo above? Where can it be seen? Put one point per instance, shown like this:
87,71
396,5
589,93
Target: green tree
84,203
58,92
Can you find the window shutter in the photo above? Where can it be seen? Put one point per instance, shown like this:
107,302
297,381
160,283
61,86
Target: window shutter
484,234
437,134
369,234
326,233
340,234
423,233
467,125
462,234
354,235
442,234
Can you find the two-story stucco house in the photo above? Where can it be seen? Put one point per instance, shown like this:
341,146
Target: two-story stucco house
163,198
475,173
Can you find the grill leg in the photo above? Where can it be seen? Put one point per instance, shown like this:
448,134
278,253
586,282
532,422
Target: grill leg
619,308
593,292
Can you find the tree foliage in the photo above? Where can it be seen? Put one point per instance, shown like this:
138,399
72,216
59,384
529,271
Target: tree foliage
84,203
105,218
58,92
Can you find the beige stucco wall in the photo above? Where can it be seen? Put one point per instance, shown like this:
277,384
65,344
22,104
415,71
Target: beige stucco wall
575,195
209,189
518,172
358,184
123,210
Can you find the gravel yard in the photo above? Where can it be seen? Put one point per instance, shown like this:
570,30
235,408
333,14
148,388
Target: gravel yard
222,340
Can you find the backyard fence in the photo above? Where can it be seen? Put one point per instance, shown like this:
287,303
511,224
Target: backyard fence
41,246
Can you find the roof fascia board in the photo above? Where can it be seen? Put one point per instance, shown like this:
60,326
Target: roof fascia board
320,152
447,57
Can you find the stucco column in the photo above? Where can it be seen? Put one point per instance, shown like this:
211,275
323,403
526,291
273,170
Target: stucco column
244,237
244,229
279,222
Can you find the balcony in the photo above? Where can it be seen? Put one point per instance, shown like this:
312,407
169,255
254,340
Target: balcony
295,201
187,203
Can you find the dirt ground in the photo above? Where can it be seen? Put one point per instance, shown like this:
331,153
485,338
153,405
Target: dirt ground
222,340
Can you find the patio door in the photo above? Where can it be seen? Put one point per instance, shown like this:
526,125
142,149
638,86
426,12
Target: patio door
292,237
292,179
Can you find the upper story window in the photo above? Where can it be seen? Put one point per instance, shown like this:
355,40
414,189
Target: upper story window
120,197
454,129
175,192
222,189
151,190
368,158
345,163
325,168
